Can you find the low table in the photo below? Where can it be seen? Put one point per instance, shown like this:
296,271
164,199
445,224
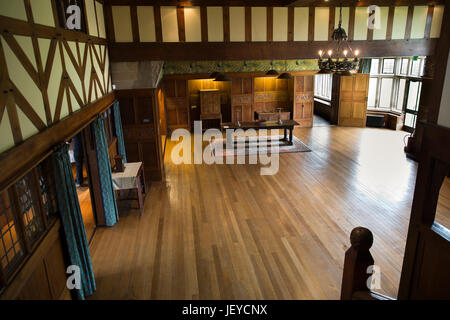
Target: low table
285,124
131,178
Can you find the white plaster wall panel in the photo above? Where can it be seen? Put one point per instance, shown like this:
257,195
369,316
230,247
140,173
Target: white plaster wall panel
237,23
146,22
27,46
321,18
54,81
280,23
259,24
192,24
26,126
71,70
399,24
42,12
13,9
100,20
345,18
169,24
419,21
436,23
215,23
360,28
380,28
21,79
44,47
122,24
90,17
301,20
7,140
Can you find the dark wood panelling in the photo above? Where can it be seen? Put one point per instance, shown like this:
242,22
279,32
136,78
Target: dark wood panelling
426,264
331,22
303,109
43,276
141,131
248,24
311,23
158,23
390,23
428,22
370,30
120,52
269,23
242,99
290,24
134,23
181,27
204,23
351,23
409,22
226,24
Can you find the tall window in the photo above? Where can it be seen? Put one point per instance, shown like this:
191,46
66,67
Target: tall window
390,80
322,86
27,210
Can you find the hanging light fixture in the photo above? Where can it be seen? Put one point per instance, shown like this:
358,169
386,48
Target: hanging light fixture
272,72
285,75
222,77
214,75
219,76
343,59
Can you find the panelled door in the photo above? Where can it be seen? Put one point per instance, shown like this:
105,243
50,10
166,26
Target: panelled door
303,111
353,100
242,99
176,103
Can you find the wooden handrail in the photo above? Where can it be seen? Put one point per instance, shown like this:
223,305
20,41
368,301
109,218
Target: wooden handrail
357,260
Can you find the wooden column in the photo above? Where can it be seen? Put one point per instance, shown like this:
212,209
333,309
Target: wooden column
357,260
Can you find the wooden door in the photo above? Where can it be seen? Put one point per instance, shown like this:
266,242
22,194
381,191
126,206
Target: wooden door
139,111
426,264
242,99
176,103
303,111
353,94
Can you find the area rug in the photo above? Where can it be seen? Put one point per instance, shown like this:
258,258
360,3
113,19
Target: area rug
254,147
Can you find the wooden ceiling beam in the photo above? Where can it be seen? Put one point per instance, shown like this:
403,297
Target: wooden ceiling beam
122,52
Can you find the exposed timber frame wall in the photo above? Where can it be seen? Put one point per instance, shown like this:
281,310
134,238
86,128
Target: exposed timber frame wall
53,81
268,30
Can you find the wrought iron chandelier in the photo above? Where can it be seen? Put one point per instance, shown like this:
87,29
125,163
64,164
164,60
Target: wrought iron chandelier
343,59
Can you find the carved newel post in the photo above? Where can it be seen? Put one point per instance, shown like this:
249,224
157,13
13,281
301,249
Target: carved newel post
357,260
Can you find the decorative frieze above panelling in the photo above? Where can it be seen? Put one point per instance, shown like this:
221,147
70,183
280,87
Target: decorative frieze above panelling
207,67
47,72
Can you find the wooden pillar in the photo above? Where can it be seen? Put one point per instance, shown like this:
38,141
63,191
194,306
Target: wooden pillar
357,260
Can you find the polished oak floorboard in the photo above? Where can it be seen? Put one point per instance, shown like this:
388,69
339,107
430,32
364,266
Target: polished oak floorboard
226,232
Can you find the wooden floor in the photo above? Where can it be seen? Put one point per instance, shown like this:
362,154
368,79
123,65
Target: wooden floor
226,232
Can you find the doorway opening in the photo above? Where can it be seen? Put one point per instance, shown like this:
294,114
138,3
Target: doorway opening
78,159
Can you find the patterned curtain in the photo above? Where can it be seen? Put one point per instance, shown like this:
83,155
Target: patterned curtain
364,65
119,132
72,220
105,173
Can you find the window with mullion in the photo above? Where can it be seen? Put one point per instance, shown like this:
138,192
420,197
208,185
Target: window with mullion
48,189
11,245
29,208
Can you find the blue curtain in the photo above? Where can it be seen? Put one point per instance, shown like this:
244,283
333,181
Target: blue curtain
105,173
72,220
119,132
